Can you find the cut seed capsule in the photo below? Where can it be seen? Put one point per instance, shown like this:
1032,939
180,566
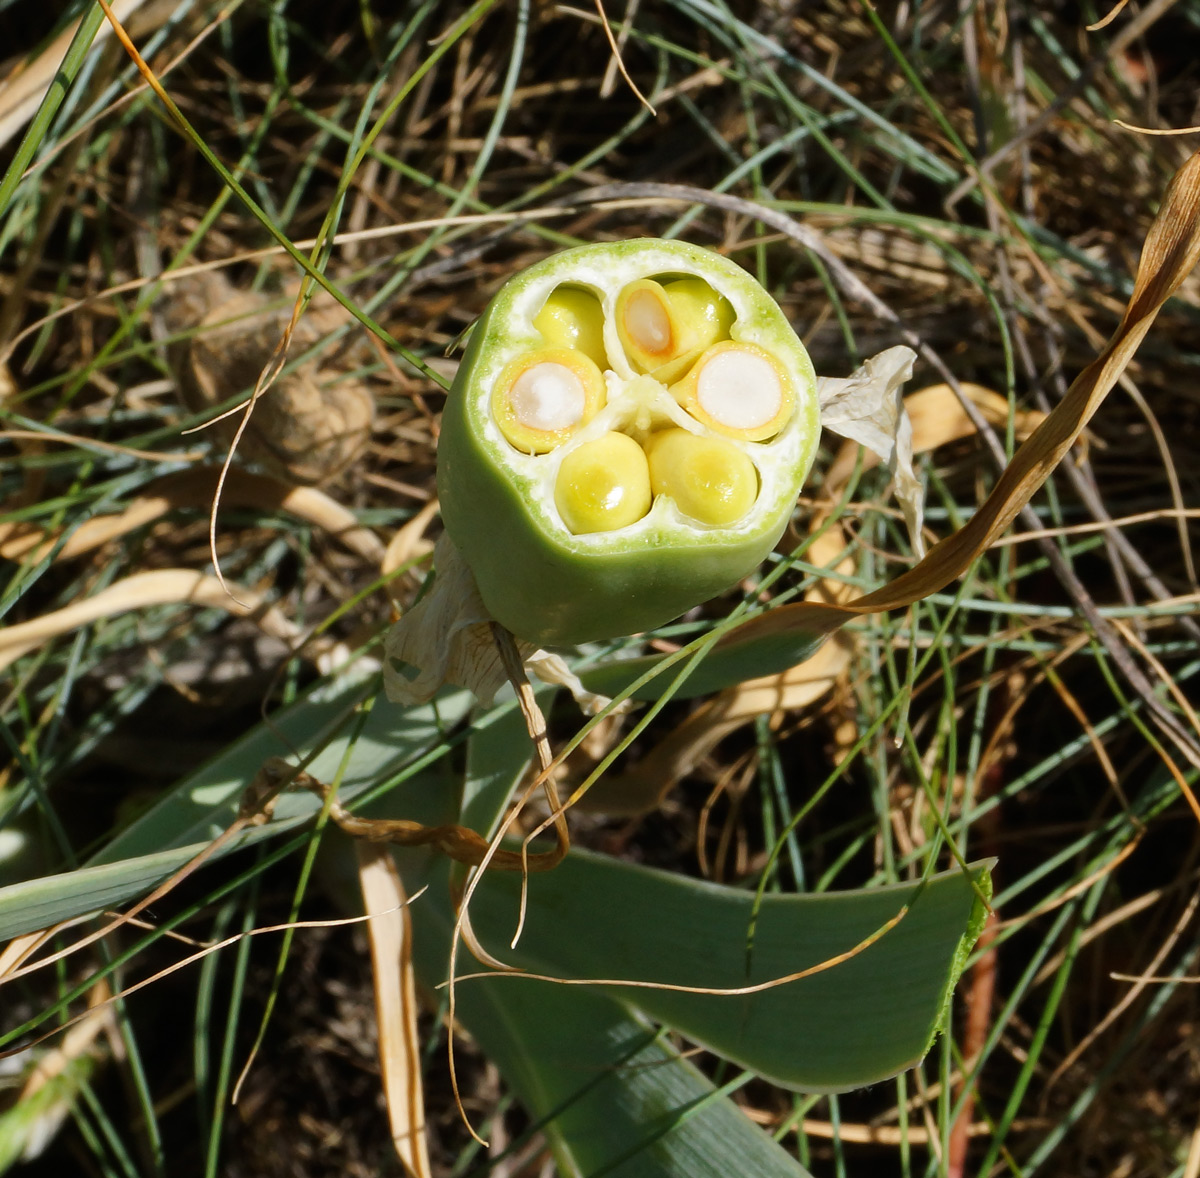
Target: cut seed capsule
573,318
709,479
603,485
739,390
512,518
664,327
542,398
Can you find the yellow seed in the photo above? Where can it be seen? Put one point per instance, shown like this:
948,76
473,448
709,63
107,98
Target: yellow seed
644,325
663,328
543,397
573,318
707,313
738,389
710,480
603,485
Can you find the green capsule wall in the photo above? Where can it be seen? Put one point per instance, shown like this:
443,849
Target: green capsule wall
555,512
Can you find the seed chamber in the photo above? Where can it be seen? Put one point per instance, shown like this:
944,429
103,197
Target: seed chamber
644,402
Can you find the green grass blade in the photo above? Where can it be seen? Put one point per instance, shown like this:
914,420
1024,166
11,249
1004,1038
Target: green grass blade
731,662
35,133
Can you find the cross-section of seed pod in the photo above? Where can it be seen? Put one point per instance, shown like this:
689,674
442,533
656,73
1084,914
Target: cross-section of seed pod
637,509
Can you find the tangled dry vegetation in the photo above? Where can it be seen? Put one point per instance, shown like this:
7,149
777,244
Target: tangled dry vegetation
137,296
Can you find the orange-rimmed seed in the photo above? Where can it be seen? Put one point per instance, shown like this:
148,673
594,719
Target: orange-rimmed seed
664,326
543,397
573,318
738,389
709,479
603,485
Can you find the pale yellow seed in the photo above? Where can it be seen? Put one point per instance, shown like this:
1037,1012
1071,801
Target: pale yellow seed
573,318
664,327
709,479
603,485
543,397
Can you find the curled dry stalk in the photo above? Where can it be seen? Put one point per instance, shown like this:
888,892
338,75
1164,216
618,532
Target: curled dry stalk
460,843
456,842
255,809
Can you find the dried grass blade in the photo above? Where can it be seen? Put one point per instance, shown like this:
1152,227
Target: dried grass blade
195,488
390,932
161,587
23,90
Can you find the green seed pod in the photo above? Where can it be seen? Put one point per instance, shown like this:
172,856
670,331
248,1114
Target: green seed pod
547,572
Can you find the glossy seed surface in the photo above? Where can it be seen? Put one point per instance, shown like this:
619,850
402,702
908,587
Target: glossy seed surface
709,479
603,485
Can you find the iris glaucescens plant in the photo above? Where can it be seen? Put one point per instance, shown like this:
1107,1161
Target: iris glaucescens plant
626,438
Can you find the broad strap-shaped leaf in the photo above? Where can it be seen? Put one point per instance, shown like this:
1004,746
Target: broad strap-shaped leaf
864,1019
182,824
612,1096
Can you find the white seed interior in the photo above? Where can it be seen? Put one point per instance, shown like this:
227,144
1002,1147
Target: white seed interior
740,390
548,397
646,320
